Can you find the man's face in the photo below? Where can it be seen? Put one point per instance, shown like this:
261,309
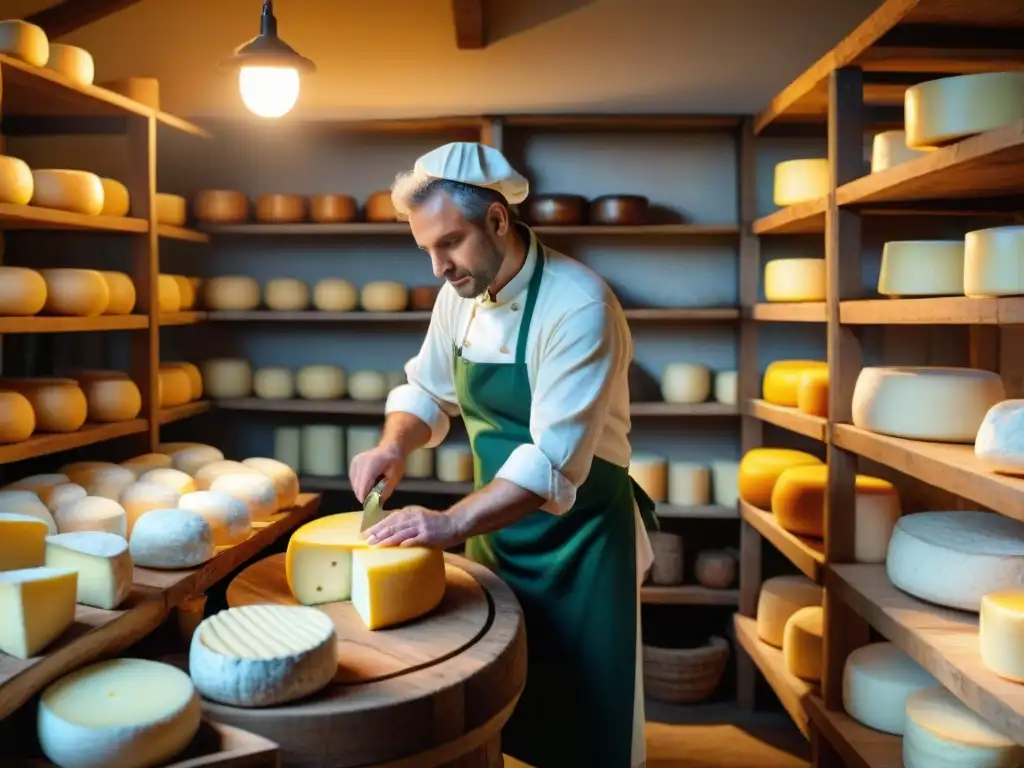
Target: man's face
467,255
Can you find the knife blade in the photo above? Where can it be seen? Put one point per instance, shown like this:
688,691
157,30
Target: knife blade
372,511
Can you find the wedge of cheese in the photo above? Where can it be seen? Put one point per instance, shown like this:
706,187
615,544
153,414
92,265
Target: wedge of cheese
102,561
22,541
36,606
318,563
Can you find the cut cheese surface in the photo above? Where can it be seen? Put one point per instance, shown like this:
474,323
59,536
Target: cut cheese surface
22,290
92,513
64,190
142,496
318,563
802,643
36,606
889,148
286,482
651,473
24,41
941,111
1000,441
132,713
26,503
685,383
994,262
922,268
797,181
393,585
228,518
877,680
172,478
1001,633
170,539
925,403
812,392
782,380
263,655
953,558
760,469
794,280
256,491
102,561
22,541
780,598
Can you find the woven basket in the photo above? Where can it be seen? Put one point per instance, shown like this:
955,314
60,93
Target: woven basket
684,675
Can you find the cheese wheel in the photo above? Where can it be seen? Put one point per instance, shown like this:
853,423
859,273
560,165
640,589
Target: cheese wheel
454,462
689,484
169,449
394,585
780,598
367,385
322,450
23,592
75,292
22,291
384,296
82,472
940,731
925,403
109,482
320,382
999,445
257,491
24,41
922,268
651,473
144,496
172,478
175,387
59,404
92,513
760,469
798,181
74,63
59,495
812,392
782,380
103,564
715,569
112,399
221,206
209,472
953,558
263,655
286,482
889,148
120,293
145,90
942,111
186,291
22,542
168,294
685,383
274,383
37,483
802,643
74,191
227,378
395,379
141,464
192,372
726,387
24,503
170,209
877,680
1001,634
115,198
280,209
17,418
169,539
228,517
191,460
333,294
725,487
231,292
420,463
994,262
16,183
286,294
794,280
287,444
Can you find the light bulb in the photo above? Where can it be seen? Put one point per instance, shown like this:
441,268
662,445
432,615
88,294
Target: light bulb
269,91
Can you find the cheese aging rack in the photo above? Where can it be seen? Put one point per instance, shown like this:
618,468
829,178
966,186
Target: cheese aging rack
857,89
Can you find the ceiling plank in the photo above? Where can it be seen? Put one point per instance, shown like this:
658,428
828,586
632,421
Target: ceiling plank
469,24
67,16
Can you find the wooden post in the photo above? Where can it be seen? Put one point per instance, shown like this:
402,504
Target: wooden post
492,133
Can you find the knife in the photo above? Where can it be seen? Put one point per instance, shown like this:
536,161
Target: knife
372,511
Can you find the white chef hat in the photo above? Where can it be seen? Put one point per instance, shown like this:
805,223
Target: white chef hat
470,162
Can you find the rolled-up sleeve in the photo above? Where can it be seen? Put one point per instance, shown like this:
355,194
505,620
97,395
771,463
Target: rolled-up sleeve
587,350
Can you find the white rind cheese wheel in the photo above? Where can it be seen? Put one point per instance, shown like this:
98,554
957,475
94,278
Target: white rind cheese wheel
727,387
27,629
948,109
75,292
1001,634
141,464
685,383
131,713
172,478
228,518
889,148
82,472
191,460
170,209
689,484
420,463
274,383
286,294
802,643
322,450
92,513
37,483
115,198
651,473
994,262
320,382
794,280
286,482
454,462
62,494
24,41
227,378
17,417
256,491
141,497
168,294
359,439
953,558
725,486
263,655
780,598
941,732
109,482
104,565
231,292
367,385
208,473
121,293
27,504
22,541
384,296
64,190
936,404
877,680
16,183
74,63
22,291
1000,441
170,539
798,181
333,294
922,268
287,446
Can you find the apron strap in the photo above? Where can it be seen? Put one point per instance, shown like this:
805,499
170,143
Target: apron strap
531,299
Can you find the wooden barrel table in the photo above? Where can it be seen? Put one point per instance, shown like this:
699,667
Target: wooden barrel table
431,693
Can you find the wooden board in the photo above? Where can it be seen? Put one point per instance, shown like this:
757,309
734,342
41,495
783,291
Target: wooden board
369,656
858,745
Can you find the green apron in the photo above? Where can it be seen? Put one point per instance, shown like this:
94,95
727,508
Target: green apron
574,575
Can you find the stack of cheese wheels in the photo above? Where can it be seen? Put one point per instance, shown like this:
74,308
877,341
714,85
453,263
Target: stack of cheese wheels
75,292
121,292
780,598
27,630
22,40
993,264
889,148
782,380
760,469
812,392
321,450
221,206
689,484
17,418
454,463
942,111
925,403
727,387
273,382
64,190
320,382
115,198
286,294
803,643
111,395
877,680
999,445
59,404
940,730
798,181
227,378
22,291
651,473
170,209
74,63
685,383
954,558
922,268
168,294
332,294
384,296
236,293
1001,633
16,183
794,280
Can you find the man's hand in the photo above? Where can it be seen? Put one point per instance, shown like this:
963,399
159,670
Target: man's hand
367,466
415,527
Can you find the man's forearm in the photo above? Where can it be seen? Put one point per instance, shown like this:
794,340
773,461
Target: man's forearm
496,505
404,432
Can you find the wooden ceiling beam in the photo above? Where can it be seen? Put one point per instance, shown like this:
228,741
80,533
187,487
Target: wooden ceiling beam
67,16
469,24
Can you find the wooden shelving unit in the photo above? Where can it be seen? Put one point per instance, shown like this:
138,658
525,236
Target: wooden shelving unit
855,87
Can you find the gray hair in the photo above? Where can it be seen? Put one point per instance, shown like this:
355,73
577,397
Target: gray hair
411,191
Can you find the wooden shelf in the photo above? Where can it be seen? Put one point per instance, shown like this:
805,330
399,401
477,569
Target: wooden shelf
953,468
672,314
182,318
50,324
858,745
688,594
790,312
682,409
34,217
945,310
622,123
401,228
701,512
792,691
654,230
352,228
815,427
187,411
808,555
801,219
181,233
44,444
647,314
943,641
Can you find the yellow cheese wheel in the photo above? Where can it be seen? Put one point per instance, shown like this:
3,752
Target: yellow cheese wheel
812,392
782,378
227,378
948,109
994,262
286,294
75,292
114,398
24,41
798,181
798,498
186,290
22,291
803,643
1001,634
175,386
59,404
333,294
195,378
384,296
168,294
121,290
889,148
74,63
17,418
115,198
16,183
170,209
231,292
794,280
760,469
74,191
